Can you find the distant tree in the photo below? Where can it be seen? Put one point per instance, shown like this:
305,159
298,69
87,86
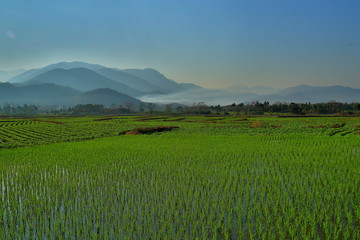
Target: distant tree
88,108
168,108
7,108
141,107
129,106
295,109
200,108
151,107
218,108
356,106
179,109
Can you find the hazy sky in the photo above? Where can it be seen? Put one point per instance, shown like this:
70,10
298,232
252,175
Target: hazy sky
214,43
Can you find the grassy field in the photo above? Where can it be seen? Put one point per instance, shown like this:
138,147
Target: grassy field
210,178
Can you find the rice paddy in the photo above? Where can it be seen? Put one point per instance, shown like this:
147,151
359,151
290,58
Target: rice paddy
209,178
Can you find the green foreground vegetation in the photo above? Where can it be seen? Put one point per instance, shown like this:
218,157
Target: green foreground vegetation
212,178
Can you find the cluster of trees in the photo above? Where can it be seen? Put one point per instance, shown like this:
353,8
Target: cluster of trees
257,108
332,107
99,109
17,109
254,108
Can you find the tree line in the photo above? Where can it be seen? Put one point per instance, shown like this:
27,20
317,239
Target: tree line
254,108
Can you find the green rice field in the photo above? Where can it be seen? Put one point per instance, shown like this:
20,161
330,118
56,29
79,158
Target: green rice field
218,177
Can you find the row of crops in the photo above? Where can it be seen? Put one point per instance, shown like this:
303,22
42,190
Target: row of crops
212,178
22,132
34,132
166,187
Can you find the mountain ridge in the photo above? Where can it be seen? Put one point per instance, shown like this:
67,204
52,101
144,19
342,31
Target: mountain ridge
37,71
82,79
128,79
152,86
106,97
52,94
137,81
153,76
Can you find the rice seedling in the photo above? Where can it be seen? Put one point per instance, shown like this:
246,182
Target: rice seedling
203,181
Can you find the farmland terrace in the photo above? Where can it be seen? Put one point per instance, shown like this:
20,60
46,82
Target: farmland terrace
179,177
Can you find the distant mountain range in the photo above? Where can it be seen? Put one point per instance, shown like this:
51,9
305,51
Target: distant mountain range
105,96
71,83
27,75
259,90
81,79
51,94
298,94
84,76
6,75
39,94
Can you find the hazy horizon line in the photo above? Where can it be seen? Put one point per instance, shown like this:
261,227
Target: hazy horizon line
275,87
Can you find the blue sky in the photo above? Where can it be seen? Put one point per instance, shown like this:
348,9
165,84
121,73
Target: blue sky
214,43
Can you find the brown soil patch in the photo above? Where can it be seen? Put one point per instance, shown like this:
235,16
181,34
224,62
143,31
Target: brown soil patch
103,119
256,124
320,126
174,120
215,119
150,119
337,125
53,122
140,131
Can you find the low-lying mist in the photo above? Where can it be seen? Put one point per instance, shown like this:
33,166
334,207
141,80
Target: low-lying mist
209,97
